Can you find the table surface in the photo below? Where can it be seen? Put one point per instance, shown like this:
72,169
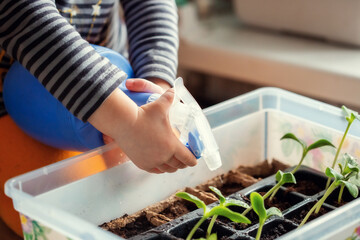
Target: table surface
222,46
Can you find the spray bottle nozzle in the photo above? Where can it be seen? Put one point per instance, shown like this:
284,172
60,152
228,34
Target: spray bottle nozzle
195,132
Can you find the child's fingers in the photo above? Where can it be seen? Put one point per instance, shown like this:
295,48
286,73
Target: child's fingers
166,168
107,139
165,100
155,170
142,85
175,163
185,156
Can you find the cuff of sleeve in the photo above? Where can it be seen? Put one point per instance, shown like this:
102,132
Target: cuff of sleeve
166,77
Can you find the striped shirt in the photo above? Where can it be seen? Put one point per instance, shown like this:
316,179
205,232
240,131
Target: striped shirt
51,39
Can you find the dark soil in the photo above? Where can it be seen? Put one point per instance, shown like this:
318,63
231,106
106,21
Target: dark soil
282,200
305,187
277,202
181,231
335,203
155,215
130,229
274,232
298,215
346,198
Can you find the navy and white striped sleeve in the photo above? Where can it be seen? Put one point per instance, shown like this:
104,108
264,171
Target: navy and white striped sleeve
152,27
34,33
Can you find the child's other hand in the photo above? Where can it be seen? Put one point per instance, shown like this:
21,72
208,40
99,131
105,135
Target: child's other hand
142,85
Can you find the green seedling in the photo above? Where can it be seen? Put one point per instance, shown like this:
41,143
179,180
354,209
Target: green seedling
349,173
350,116
318,144
221,210
223,202
289,177
350,165
281,179
257,202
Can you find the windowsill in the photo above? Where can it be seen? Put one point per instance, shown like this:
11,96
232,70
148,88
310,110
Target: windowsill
222,46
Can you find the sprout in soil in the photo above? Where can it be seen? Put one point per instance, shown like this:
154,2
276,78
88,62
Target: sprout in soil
319,143
350,116
257,202
281,179
349,173
350,165
220,209
289,177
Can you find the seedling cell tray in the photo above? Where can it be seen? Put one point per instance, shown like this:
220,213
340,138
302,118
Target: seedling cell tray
293,204
69,200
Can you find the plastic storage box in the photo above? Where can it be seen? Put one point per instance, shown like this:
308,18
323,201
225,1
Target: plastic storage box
65,201
327,19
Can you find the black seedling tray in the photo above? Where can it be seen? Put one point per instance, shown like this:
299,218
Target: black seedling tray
294,206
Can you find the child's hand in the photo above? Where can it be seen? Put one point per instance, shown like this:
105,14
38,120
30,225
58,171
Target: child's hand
143,133
157,149
137,85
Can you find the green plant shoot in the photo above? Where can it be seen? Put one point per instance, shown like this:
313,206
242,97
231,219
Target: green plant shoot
257,202
350,116
221,210
281,179
318,144
349,172
224,203
349,166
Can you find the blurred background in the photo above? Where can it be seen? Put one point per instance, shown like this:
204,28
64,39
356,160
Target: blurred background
310,47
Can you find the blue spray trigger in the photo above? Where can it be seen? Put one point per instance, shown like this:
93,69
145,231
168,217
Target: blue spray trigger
140,98
195,145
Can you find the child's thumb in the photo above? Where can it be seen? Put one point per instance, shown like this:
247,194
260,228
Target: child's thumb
166,99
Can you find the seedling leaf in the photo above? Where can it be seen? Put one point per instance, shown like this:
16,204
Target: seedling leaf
217,191
279,175
235,202
333,174
350,115
293,137
192,198
225,212
320,143
355,180
273,211
257,203
288,177
341,168
353,190
351,164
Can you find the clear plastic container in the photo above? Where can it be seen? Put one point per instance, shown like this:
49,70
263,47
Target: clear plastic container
70,202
